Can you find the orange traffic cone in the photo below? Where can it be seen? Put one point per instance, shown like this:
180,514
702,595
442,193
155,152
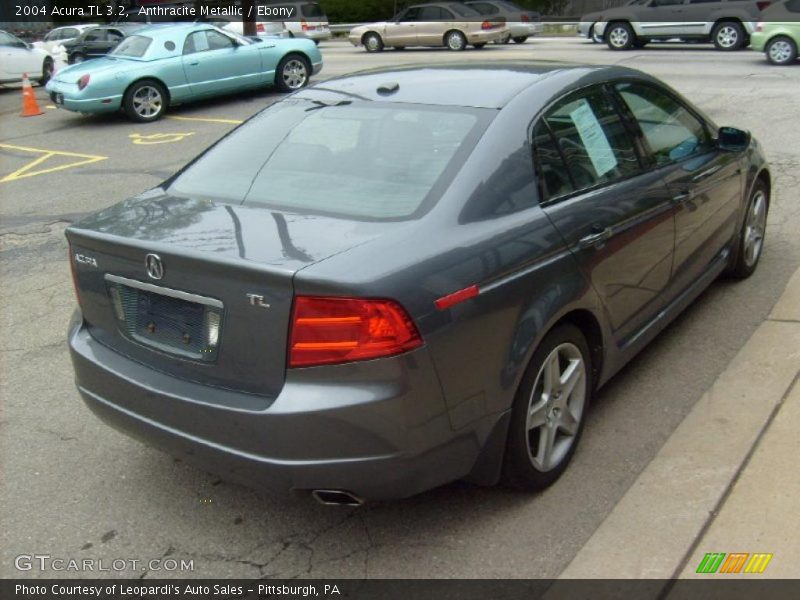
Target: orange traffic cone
30,108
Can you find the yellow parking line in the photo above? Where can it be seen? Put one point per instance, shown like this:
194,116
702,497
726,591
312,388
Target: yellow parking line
207,120
25,171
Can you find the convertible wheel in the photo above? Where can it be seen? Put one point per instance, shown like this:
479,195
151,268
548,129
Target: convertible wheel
620,36
729,35
455,40
145,101
751,237
373,42
781,51
292,73
47,71
549,410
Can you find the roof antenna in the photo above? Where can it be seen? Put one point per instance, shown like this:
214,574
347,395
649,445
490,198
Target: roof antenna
388,88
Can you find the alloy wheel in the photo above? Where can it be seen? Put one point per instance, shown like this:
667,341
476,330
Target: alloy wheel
755,227
295,74
455,41
728,36
619,37
556,407
148,102
780,51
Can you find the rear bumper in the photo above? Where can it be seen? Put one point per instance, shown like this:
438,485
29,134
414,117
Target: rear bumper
75,100
491,35
521,29
380,431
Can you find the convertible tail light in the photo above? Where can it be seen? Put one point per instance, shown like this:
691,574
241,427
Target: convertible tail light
83,81
524,18
763,4
326,330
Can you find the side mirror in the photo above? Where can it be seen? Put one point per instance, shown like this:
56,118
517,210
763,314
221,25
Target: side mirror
732,139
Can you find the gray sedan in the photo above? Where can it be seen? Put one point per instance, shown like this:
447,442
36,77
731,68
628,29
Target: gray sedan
397,279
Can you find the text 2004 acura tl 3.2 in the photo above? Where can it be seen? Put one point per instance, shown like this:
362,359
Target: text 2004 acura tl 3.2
396,279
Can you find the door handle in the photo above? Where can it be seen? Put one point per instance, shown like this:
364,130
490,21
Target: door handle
194,64
707,173
597,238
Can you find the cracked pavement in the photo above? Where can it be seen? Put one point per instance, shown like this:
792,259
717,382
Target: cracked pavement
74,488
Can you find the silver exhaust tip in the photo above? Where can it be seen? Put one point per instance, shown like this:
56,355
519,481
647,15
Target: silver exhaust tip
336,498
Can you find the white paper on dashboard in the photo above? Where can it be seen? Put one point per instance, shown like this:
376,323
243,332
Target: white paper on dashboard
593,138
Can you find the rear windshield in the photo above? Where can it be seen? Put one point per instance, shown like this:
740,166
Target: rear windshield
359,161
133,46
312,10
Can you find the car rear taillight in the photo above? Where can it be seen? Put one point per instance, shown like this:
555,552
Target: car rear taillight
763,4
83,81
329,330
260,28
524,18
486,25
306,26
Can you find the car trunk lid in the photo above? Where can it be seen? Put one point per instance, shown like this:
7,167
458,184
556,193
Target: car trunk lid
198,289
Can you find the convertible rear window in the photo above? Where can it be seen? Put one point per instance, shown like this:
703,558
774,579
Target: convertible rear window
133,46
357,161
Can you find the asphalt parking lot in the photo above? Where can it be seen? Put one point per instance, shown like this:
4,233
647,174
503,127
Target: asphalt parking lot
74,488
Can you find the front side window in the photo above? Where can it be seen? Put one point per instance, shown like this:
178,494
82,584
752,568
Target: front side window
672,132
552,172
592,139
412,14
203,41
358,161
218,41
431,13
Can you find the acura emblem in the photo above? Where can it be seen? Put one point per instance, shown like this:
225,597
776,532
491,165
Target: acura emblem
155,268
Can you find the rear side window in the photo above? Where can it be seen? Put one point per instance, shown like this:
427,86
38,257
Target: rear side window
95,35
463,11
592,139
356,161
672,132
485,8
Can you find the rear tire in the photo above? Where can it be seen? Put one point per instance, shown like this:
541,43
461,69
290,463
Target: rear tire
145,101
455,40
47,71
620,36
750,242
293,73
372,42
479,46
549,410
729,36
781,51
520,39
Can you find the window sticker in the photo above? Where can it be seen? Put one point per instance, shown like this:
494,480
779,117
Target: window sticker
593,138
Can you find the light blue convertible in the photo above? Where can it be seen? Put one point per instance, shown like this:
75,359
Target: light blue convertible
160,66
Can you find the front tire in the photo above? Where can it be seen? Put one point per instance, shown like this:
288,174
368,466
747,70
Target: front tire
455,40
781,51
549,410
521,39
372,42
292,74
750,243
145,101
47,71
728,36
620,36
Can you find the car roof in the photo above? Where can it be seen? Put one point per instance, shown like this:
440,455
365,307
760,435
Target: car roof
478,85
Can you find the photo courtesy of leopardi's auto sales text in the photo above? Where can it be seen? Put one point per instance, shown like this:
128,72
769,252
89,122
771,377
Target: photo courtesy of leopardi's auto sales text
390,299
